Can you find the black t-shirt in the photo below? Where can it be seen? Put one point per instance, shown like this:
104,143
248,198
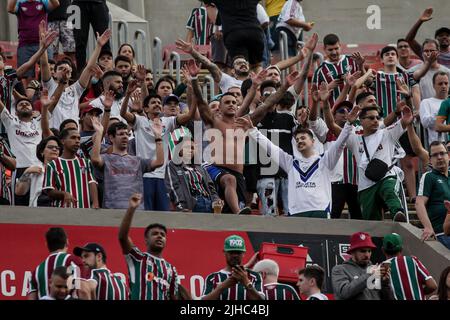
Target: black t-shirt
283,125
60,13
237,14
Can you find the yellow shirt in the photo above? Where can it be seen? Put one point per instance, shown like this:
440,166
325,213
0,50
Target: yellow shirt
273,7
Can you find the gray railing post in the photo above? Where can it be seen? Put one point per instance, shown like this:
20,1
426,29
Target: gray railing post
284,54
157,58
175,56
143,44
209,81
122,24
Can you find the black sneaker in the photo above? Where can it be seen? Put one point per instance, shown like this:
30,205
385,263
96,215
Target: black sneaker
399,217
246,211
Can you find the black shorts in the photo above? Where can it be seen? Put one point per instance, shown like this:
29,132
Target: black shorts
251,174
406,145
248,43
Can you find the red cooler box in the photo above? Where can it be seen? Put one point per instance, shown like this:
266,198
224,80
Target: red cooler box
290,259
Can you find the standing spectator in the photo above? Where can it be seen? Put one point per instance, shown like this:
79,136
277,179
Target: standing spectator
31,181
151,277
128,51
430,50
410,279
242,32
7,162
350,279
122,173
309,172
273,8
104,285
199,26
332,71
293,22
59,285
310,282
234,282
444,116
273,290
95,13
123,64
29,14
58,245
429,108
57,21
379,144
404,55
69,181
434,189
442,35
264,20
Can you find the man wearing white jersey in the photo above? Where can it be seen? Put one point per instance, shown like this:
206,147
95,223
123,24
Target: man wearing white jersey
309,174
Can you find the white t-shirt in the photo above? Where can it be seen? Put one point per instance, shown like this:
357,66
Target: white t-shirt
429,109
145,142
317,296
115,108
36,186
23,138
426,83
68,104
382,144
291,10
262,15
227,82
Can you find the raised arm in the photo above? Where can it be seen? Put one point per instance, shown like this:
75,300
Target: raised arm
203,108
124,113
206,63
349,84
183,119
102,40
427,63
328,115
96,157
140,74
417,146
125,242
427,15
310,47
53,4
47,105
261,111
248,100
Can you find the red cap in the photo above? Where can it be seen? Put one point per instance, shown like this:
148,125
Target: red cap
89,108
360,240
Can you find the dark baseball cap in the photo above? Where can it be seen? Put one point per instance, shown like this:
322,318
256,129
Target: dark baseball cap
172,97
442,30
344,104
89,247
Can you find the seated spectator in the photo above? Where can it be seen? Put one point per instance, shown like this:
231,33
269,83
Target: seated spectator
31,181
273,290
191,188
310,282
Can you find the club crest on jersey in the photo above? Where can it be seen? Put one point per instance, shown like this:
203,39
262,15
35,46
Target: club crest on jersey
150,276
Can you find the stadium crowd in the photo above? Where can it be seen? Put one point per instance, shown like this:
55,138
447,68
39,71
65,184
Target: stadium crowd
98,132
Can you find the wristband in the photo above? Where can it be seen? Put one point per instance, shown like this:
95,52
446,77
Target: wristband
107,110
158,140
194,78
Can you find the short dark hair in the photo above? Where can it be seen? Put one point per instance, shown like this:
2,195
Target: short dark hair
122,58
301,130
330,40
287,100
150,97
433,41
164,79
148,71
41,147
239,56
402,40
268,84
154,226
64,61
65,133
442,286
364,111
51,61
112,130
440,73
246,85
226,94
109,74
129,45
435,144
66,122
23,99
61,272
388,49
363,95
314,272
56,239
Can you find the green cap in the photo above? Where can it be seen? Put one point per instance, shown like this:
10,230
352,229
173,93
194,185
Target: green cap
234,243
392,242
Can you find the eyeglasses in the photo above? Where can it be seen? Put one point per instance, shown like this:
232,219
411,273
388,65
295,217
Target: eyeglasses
371,118
438,154
56,148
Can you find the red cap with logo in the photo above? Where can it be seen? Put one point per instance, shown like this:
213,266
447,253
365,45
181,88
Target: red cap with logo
361,240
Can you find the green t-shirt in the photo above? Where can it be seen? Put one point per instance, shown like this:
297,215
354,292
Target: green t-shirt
444,112
436,187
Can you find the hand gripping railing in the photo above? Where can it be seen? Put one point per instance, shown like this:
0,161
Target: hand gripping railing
141,59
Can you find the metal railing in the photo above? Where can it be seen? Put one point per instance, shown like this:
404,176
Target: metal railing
141,47
209,82
284,54
175,56
122,24
157,59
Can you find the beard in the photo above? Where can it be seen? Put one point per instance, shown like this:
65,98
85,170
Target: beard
240,73
118,94
25,114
